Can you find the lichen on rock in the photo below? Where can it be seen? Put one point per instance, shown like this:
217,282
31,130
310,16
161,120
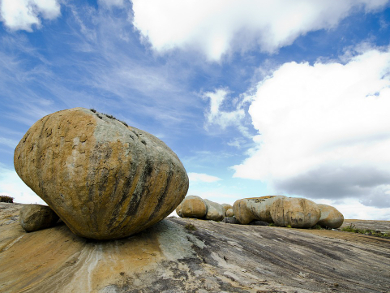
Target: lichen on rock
104,179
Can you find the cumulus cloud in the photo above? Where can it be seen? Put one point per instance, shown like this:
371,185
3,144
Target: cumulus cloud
324,129
24,14
221,114
196,177
215,27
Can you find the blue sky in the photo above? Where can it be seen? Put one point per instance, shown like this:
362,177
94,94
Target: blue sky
255,97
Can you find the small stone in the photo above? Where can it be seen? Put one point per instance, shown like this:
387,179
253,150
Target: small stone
36,217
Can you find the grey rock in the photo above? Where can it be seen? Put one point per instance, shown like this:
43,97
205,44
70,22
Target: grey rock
35,217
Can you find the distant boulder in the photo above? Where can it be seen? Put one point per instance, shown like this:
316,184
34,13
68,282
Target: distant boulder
194,206
105,180
295,212
215,211
226,207
35,217
229,213
255,208
330,217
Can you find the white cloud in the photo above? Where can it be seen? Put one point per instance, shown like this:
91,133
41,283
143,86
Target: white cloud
218,116
12,185
324,130
196,177
23,14
215,27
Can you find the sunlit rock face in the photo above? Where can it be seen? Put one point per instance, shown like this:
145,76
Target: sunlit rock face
104,179
196,207
295,212
330,217
247,210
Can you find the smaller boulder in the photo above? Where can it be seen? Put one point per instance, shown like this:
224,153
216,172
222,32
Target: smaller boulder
226,207
193,207
215,211
35,217
330,217
229,213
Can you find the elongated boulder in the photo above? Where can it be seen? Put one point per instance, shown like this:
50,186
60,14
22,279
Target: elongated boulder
193,207
104,179
35,217
255,208
296,212
330,217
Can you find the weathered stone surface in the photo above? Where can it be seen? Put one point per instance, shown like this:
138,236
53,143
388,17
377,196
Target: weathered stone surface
226,207
330,217
104,179
35,217
178,211
215,257
255,208
193,207
296,212
229,213
215,211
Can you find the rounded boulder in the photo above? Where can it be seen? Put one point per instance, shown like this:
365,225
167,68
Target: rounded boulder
330,217
105,180
34,217
255,208
296,212
193,207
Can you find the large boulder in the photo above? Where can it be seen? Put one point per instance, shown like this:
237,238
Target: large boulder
105,179
255,208
193,207
295,212
35,217
330,217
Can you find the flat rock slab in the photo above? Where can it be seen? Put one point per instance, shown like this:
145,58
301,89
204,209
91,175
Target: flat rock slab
189,255
383,226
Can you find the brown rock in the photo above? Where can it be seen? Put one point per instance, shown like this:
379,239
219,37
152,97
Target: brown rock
330,217
35,217
226,207
229,213
296,212
193,207
255,208
105,179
